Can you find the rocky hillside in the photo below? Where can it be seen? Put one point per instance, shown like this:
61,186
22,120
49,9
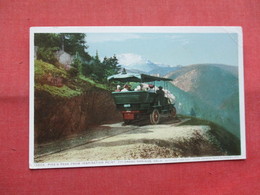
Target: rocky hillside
65,106
210,83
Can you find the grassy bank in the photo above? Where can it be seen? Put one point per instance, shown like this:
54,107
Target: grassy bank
59,83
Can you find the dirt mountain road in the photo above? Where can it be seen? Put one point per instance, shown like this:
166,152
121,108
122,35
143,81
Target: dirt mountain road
118,142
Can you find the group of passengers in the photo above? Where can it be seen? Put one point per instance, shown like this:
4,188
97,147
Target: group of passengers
141,87
150,88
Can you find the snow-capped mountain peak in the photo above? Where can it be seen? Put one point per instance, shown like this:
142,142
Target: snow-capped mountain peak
132,61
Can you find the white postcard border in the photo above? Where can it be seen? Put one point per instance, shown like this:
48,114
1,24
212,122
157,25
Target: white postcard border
136,29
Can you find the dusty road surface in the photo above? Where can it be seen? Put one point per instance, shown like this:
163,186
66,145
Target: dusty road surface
118,142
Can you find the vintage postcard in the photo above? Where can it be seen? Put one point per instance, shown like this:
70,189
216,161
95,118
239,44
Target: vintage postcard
106,96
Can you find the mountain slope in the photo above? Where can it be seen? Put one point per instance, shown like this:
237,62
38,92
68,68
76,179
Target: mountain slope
212,84
209,91
163,70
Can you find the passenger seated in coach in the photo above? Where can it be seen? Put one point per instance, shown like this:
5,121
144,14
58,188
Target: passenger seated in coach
160,95
145,86
126,88
139,88
151,88
118,88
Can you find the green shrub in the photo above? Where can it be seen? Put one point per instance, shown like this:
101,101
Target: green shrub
73,72
42,69
63,91
47,54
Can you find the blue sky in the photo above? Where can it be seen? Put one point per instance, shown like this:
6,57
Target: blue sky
168,48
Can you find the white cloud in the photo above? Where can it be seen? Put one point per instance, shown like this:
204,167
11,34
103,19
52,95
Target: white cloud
129,59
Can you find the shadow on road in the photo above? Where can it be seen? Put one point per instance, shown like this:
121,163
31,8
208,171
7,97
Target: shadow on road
96,134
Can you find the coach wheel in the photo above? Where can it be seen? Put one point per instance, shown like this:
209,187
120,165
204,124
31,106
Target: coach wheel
155,117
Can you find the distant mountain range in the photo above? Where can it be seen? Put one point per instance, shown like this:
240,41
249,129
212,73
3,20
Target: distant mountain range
138,64
207,91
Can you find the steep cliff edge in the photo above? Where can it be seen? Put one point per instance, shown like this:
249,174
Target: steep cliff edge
65,106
